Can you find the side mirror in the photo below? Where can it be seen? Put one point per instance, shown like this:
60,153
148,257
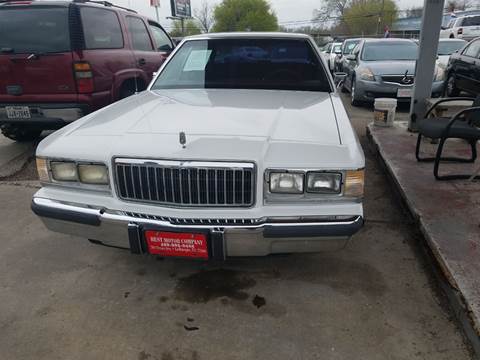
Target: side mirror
443,27
351,57
339,78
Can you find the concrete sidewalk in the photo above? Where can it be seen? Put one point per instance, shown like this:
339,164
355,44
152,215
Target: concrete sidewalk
447,213
14,155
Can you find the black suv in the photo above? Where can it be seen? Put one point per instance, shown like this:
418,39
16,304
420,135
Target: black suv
464,70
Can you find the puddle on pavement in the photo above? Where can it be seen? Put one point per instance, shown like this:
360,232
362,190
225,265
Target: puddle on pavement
205,286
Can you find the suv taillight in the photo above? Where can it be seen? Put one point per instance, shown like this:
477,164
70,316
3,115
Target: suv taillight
84,77
460,31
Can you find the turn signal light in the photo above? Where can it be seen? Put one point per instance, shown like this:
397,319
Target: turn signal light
354,183
84,77
42,169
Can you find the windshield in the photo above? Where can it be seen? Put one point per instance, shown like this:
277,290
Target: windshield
349,46
389,50
278,64
42,30
449,47
337,48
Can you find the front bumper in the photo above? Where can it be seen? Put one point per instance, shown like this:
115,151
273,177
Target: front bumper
259,238
48,116
370,90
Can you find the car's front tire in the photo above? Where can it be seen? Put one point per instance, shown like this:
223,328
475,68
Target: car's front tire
353,94
451,89
21,134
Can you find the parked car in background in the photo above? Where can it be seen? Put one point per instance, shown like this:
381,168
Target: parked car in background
385,68
331,50
247,167
60,60
447,47
463,70
464,27
347,48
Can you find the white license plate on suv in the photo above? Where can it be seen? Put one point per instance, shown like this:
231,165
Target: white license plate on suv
404,93
18,112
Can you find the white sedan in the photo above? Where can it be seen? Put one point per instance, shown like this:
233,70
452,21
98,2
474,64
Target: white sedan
240,146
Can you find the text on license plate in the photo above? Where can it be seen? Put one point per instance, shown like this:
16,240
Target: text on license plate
18,112
177,244
403,93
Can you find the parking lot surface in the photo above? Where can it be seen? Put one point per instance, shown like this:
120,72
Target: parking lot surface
64,298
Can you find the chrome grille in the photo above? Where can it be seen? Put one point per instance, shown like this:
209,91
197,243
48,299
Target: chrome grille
188,183
399,79
190,221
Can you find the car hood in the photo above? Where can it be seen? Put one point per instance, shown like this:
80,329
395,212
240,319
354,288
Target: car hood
390,67
287,127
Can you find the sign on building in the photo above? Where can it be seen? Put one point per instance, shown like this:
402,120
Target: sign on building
181,8
155,3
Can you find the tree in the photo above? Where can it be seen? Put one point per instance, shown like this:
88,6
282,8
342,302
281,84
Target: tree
204,15
331,8
457,5
368,17
191,27
244,15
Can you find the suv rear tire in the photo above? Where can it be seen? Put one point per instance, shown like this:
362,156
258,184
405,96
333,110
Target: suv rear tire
21,134
451,89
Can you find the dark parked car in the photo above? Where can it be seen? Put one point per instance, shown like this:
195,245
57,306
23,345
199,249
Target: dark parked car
60,60
464,70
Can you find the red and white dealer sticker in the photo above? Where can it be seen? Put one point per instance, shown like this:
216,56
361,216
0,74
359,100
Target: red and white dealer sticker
177,244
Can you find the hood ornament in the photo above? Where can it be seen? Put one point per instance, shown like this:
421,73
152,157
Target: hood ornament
183,139
406,80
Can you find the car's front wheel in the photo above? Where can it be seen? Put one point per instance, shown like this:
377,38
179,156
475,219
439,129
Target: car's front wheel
21,134
353,94
451,89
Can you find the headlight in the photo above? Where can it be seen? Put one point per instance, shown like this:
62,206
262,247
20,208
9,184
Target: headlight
354,183
439,73
366,74
64,171
42,169
324,182
286,183
93,174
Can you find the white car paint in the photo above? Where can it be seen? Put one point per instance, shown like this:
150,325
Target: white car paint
270,128
458,29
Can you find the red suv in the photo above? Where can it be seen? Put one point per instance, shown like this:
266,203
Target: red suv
60,60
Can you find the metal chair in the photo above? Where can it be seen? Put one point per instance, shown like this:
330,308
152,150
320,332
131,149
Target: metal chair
464,125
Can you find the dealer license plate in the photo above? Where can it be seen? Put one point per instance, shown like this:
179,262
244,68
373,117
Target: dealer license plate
18,112
404,93
171,244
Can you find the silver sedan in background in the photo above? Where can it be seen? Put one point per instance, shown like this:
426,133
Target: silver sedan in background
384,68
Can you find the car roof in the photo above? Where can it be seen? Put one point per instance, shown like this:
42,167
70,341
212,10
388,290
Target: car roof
451,40
65,3
248,35
388,40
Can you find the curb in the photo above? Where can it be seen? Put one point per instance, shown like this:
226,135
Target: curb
445,281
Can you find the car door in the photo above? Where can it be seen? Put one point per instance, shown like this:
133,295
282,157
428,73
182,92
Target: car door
466,67
147,59
350,65
163,44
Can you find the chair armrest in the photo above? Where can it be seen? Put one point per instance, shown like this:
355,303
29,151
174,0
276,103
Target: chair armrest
447,100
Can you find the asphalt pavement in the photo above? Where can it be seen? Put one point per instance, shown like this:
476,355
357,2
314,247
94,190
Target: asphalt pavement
64,298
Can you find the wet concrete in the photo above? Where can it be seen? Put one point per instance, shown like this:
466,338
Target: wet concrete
64,298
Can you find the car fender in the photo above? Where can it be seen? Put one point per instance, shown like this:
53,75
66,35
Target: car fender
120,77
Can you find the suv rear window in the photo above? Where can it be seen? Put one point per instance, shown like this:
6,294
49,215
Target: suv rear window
471,21
35,30
279,64
101,29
